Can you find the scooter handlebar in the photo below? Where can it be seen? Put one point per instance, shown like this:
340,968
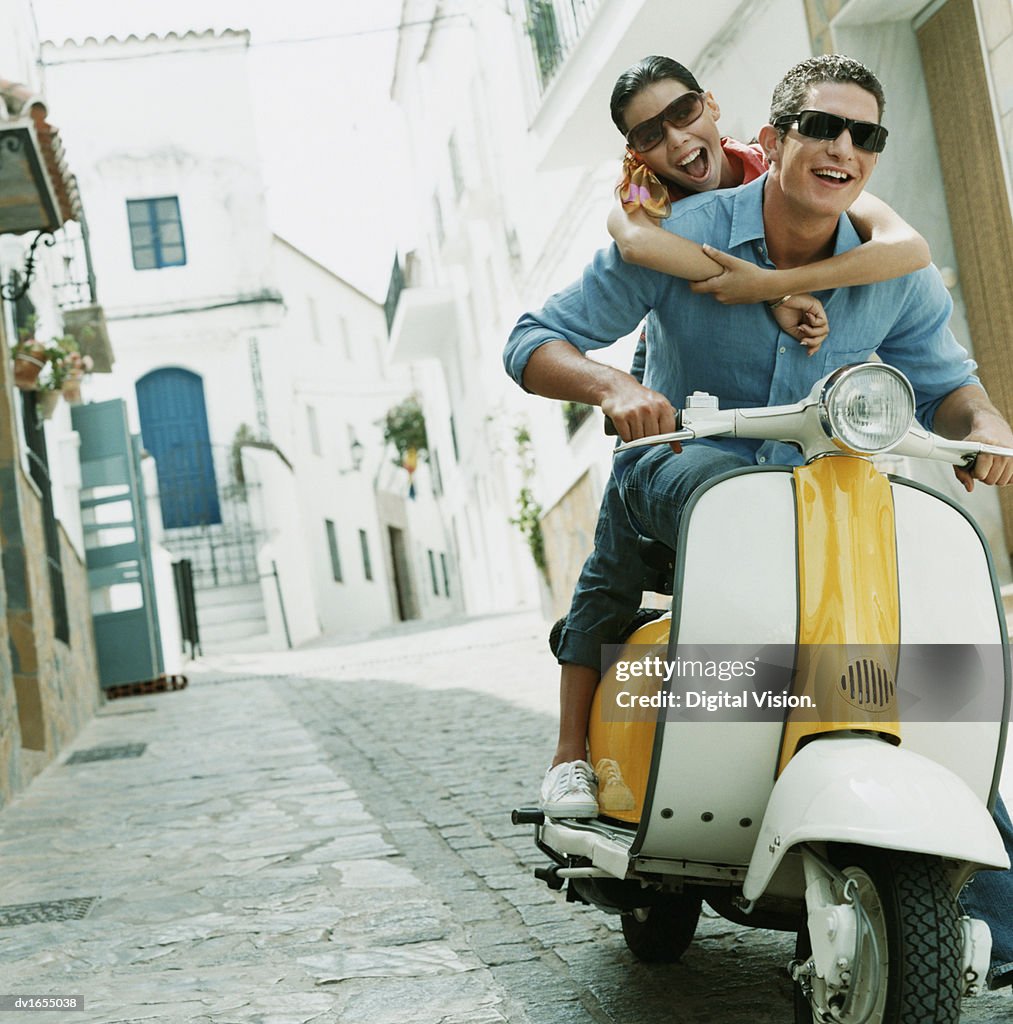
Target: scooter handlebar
772,423
653,439
799,424
924,445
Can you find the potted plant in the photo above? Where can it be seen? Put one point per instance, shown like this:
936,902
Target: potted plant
46,403
30,357
69,369
60,374
404,427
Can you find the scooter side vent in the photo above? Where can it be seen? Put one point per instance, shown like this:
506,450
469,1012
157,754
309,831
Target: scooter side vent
868,685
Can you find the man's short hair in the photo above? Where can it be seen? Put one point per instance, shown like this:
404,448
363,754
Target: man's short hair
641,75
791,94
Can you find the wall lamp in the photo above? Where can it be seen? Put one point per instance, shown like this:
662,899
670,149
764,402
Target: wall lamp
358,453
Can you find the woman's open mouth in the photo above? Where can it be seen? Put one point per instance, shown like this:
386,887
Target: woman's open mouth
696,164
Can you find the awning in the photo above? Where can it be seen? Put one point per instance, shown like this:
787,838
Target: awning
37,190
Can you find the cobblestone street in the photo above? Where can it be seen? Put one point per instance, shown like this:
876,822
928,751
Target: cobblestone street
324,835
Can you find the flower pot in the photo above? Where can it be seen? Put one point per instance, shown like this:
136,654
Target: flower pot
71,391
46,403
26,371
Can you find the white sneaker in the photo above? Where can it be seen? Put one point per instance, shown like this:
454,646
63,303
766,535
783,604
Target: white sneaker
570,790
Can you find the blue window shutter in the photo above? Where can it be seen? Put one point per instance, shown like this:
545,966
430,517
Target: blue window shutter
174,428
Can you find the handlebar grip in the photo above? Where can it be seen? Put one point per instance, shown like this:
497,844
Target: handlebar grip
610,427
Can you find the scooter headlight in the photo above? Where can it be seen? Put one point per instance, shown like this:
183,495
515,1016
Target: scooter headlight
867,408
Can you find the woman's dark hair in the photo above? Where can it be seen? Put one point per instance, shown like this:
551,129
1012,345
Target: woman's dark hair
642,74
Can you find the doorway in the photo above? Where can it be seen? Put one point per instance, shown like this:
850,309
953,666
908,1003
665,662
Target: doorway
407,606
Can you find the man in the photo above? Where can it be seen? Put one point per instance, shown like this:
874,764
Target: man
671,127
792,216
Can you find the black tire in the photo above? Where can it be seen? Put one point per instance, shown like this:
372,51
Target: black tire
661,933
912,908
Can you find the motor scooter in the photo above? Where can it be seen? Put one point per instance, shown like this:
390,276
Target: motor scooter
812,739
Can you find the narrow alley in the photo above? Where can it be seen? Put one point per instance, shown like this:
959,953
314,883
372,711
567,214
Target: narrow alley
324,835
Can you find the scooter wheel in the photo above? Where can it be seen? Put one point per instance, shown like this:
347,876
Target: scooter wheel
917,937
662,932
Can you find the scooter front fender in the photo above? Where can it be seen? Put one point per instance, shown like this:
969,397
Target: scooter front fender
852,789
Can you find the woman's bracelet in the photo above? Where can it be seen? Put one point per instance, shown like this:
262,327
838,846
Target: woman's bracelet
779,302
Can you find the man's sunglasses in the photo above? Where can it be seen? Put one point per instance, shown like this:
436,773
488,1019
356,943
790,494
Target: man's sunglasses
683,110
818,124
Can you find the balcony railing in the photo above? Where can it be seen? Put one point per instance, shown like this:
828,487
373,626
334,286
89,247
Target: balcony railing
554,28
394,289
421,314
74,285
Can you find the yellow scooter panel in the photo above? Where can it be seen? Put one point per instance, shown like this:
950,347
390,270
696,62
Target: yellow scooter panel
621,747
849,613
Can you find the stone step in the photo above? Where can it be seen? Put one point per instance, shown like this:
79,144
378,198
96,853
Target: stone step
236,594
234,629
216,614
244,645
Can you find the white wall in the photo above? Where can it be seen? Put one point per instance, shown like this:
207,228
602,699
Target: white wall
163,581
195,141
466,86
288,596
328,386
19,45
996,19
152,118
319,342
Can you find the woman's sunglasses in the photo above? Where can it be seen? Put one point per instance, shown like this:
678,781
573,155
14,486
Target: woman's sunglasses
818,124
683,110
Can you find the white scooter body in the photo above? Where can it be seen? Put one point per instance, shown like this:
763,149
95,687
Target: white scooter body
709,779
715,776
719,813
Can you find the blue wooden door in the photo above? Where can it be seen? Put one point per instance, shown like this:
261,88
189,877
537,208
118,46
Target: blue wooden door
174,428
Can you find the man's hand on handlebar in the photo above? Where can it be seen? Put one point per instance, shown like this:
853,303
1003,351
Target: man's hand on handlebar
639,412
989,469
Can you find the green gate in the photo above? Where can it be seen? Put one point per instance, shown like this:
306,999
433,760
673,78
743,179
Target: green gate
117,547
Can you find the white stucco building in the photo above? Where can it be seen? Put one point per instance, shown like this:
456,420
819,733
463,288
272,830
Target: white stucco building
255,376
516,157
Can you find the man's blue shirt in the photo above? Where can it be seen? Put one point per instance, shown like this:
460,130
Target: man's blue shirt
738,352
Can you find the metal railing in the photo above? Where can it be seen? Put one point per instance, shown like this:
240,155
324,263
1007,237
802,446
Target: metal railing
186,604
554,28
74,283
222,553
394,289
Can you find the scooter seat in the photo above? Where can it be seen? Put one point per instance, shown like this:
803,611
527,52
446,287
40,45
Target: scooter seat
661,558
642,617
